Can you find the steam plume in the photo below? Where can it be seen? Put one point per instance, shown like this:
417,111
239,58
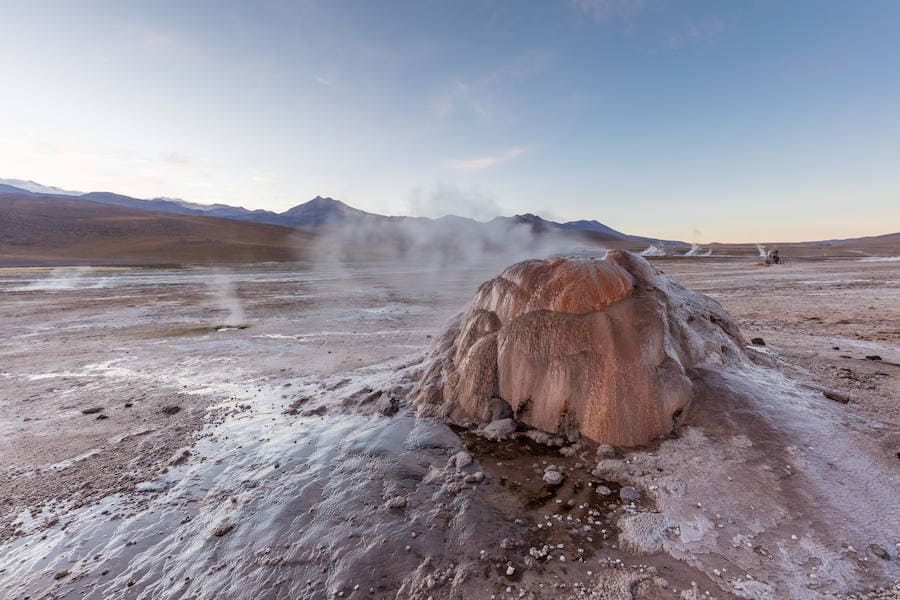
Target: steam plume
226,299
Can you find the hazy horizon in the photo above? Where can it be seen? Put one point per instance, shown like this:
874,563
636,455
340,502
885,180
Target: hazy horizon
699,121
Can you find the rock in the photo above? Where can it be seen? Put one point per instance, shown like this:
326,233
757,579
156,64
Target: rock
642,533
170,410
837,397
510,571
879,552
500,429
222,528
758,341
873,357
629,494
599,348
387,405
538,437
603,490
476,477
499,409
396,502
60,574
453,488
553,477
606,451
180,457
460,460
102,417
92,410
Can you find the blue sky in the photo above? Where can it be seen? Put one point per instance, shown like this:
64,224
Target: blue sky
704,121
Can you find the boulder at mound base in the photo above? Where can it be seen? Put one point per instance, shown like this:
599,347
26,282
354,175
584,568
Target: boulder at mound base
604,348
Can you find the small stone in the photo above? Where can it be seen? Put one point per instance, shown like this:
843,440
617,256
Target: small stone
170,410
179,457
603,490
500,429
387,405
629,494
396,502
606,451
510,571
476,477
553,477
758,341
836,396
92,410
879,552
873,357
60,574
460,460
222,528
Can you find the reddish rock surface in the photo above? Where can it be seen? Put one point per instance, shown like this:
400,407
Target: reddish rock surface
601,348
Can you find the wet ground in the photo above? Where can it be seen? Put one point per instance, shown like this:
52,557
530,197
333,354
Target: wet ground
197,433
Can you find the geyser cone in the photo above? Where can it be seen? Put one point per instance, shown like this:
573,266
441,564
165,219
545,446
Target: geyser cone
601,348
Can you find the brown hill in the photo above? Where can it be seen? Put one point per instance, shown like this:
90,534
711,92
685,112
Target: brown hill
47,230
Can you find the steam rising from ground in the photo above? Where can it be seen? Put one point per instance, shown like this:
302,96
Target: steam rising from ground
226,299
446,199
697,250
881,259
653,250
64,279
435,246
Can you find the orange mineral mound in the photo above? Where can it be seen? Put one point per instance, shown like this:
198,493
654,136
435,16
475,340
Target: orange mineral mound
601,348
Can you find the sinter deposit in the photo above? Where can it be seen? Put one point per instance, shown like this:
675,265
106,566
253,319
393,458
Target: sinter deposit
602,348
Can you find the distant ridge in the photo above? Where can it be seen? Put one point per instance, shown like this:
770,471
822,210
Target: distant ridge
106,228
318,212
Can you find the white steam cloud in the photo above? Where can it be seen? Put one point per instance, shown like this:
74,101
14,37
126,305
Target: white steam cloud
654,250
431,249
65,279
697,250
226,299
447,199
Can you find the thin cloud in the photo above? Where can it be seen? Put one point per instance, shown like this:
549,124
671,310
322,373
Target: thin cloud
485,96
479,163
695,33
174,158
608,10
324,81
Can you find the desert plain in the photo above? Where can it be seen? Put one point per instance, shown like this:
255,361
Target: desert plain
243,431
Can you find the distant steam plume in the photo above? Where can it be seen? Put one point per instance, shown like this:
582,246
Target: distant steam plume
697,250
654,250
448,242
226,299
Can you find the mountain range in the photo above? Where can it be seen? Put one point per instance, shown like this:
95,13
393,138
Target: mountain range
48,225
319,211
